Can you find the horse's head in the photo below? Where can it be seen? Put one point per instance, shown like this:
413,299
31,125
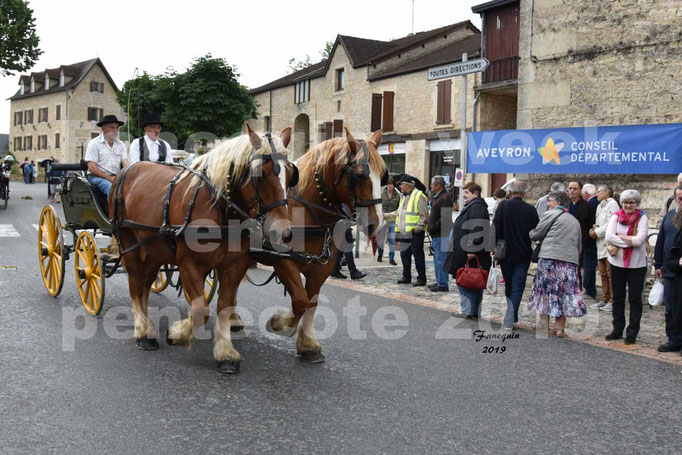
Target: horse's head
271,175
365,174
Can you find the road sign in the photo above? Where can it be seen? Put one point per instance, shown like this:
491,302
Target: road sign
459,177
457,69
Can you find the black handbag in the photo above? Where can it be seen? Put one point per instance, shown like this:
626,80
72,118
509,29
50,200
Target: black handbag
535,257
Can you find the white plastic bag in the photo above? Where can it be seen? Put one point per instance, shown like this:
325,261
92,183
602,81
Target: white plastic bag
656,294
491,286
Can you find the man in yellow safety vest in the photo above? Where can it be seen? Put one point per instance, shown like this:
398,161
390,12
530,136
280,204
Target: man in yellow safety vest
413,216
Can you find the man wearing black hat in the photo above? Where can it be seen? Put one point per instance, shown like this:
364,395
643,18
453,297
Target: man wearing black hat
106,154
413,215
149,147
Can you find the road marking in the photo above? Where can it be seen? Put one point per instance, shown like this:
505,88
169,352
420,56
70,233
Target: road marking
7,230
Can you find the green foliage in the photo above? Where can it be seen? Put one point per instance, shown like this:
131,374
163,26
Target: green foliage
297,65
18,40
326,52
205,98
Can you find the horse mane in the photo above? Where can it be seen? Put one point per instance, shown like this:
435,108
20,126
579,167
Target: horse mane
330,153
236,153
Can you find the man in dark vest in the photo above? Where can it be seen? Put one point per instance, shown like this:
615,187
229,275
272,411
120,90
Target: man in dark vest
149,147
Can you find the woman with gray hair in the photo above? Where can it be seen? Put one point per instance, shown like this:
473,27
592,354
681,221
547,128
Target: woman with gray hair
556,289
626,236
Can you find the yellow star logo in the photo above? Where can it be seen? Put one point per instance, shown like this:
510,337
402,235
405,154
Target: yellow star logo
550,152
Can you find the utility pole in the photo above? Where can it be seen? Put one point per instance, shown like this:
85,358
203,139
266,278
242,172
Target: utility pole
463,134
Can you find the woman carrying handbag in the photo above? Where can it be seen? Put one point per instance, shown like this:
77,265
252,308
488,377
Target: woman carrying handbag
556,289
470,248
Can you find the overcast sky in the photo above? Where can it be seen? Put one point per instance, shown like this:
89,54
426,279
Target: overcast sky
258,37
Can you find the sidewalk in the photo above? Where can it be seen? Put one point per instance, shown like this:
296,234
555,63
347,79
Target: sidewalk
590,328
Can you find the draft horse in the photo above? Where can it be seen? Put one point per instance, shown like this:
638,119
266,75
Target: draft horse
155,207
336,173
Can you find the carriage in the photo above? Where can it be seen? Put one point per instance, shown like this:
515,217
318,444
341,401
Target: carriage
85,209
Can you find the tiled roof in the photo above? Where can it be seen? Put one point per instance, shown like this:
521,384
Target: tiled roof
363,51
447,54
76,70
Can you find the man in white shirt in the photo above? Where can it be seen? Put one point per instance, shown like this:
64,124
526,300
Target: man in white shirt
149,147
106,154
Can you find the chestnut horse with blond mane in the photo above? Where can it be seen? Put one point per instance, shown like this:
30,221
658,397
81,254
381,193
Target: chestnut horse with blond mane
240,179
337,172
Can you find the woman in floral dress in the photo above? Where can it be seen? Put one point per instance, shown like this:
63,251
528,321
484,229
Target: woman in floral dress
556,289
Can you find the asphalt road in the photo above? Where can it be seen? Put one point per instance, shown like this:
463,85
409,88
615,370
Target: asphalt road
431,390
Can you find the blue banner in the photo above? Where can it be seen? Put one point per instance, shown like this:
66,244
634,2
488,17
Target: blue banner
632,149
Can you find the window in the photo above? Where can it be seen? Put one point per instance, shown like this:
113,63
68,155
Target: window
338,106
28,142
28,117
61,79
17,144
382,108
42,114
302,92
56,140
340,79
338,128
47,82
33,85
22,88
58,112
42,142
96,87
326,131
443,103
95,114
18,118
266,123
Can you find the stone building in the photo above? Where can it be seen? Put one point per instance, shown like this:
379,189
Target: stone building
55,111
561,63
367,85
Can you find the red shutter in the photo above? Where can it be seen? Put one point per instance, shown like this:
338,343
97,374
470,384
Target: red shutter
447,101
92,86
376,112
101,88
388,111
338,128
328,132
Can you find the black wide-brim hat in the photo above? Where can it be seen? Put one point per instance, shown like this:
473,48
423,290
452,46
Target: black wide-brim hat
152,119
110,119
407,178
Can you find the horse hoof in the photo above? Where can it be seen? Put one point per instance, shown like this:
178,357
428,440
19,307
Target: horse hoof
147,344
169,340
228,366
276,325
234,328
312,357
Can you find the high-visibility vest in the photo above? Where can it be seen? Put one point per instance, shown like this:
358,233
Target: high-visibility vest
412,214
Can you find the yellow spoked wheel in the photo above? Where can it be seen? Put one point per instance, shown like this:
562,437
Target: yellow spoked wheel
89,274
51,251
210,284
161,282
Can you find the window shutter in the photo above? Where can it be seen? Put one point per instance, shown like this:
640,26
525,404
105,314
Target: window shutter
439,104
447,102
338,128
376,112
56,140
46,116
101,114
101,88
92,86
328,133
58,114
388,111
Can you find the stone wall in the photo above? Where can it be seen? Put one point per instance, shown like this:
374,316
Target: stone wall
588,63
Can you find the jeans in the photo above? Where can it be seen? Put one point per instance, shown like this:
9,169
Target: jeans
412,244
390,230
634,280
590,269
439,254
605,272
470,301
514,274
101,184
674,336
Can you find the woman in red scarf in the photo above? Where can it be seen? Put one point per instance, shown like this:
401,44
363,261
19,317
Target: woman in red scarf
626,236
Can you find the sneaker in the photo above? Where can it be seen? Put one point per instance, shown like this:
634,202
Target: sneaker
608,308
598,305
337,274
508,329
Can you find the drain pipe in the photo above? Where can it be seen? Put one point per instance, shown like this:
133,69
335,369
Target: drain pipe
475,117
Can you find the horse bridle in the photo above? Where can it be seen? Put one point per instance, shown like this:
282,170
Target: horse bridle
274,156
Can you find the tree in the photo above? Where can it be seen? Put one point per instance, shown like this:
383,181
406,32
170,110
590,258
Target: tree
141,96
297,65
18,40
206,98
